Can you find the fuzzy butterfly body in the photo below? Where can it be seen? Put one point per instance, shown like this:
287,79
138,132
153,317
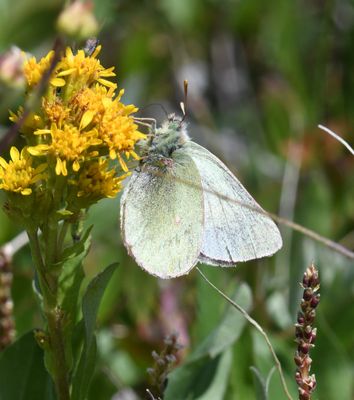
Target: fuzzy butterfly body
182,206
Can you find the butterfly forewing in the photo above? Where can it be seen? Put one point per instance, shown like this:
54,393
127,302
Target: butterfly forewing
235,227
162,220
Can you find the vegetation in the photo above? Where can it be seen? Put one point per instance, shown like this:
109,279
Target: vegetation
262,76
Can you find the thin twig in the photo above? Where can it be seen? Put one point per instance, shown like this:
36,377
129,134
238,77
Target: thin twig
337,137
258,327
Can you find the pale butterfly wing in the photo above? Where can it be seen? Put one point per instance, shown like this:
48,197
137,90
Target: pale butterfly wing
162,219
235,227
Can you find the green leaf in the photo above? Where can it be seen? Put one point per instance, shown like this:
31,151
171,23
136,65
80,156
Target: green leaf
70,281
229,329
199,377
90,306
22,372
205,379
72,274
241,384
209,306
218,385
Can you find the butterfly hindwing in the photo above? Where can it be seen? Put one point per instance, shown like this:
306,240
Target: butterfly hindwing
236,228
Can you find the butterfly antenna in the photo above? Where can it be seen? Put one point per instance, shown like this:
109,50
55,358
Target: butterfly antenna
183,104
148,122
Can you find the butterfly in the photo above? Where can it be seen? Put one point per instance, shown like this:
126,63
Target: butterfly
182,206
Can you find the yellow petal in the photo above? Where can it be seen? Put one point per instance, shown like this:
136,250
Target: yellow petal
68,52
26,191
86,118
120,94
38,150
97,50
59,167
107,72
112,154
66,72
14,153
57,82
3,163
42,131
64,169
76,166
135,156
122,164
107,83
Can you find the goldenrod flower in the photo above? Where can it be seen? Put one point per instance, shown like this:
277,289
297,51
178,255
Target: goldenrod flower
18,175
96,181
85,69
89,104
115,126
34,70
55,111
83,124
120,134
68,144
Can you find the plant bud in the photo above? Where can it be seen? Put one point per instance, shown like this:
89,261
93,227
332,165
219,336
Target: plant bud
78,21
11,68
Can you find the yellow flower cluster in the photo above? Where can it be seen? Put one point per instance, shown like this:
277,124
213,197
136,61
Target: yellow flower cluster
18,174
80,127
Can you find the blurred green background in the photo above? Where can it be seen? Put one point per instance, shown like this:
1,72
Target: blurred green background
262,76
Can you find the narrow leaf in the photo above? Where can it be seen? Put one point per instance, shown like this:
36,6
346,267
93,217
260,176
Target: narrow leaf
71,275
90,306
204,379
22,372
70,281
218,385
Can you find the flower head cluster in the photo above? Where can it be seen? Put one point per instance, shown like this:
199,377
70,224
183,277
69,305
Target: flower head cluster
77,135
18,175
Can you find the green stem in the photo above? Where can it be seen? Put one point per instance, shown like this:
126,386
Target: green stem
50,238
44,280
55,352
57,347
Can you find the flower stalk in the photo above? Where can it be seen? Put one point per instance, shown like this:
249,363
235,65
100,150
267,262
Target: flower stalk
306,334
163,363
54,347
